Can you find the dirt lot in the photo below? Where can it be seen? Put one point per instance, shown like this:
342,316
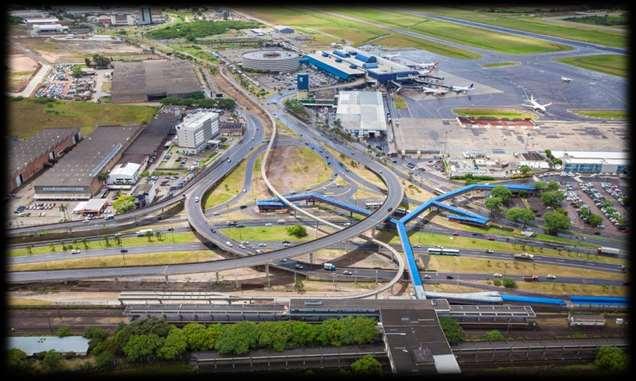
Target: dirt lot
296,168
21,69
56,51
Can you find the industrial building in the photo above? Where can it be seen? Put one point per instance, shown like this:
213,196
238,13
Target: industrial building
593,162
152,80
48,29
123,176
361,113
28,157
196,129
77,174
151,141
271,60
349,63
30,23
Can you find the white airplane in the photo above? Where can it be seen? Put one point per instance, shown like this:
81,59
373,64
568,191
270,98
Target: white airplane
432,91
536,106
566,79
463,89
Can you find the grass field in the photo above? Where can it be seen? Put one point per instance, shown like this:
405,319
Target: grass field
426,239
166,238
613,64
229,187
394,40
509,113
464,35
116,261
491,266
602,114
264,233
496,65
28,116
564,29
555,288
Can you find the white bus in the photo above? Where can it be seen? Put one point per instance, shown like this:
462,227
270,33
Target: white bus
442,251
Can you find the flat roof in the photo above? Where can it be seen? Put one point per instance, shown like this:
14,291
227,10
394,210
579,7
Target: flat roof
125,169
151,138
36,344
591,154
80,166
194,120
361,110
23,152
335,304
331,61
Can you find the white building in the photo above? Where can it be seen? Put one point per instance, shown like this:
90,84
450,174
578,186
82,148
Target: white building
123,176
48,29
593,162
361,113
38,21
196,129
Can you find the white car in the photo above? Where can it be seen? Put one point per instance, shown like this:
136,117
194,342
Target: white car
426,276
75,251
229,244
268,224
550,276
196,199
497,275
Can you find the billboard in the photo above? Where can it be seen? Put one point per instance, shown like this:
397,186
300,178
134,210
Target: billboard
302,81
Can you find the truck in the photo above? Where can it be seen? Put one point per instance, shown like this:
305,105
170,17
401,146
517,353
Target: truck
531,278
329,266
143,232
608,251
524,257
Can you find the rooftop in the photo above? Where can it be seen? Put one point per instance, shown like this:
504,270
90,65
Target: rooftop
194,120
361,110
22,152
36,344
331,61
88,159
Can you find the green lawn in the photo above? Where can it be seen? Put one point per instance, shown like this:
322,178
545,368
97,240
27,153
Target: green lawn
496,65
564,29
470,36
401,41
509,113
116,260
166,238
602,114
613,64
229,187
265,233
28,116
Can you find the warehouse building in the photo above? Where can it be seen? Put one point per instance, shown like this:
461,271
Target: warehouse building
77,175
361,113
48,30
146,148
593,162
31,22
153,80
348,63
196,129
28,157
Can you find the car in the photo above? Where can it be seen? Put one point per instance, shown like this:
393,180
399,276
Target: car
268,224
497,275
550,276
228,243
213,230
299,266
244,190
455,234
76,251
229,160
347,272
450,277
196,199
123,251
284,260
490,251
427,276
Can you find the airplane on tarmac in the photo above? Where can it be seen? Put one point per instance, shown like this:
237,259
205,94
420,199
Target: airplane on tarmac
432,91
462,89
536,106
566,79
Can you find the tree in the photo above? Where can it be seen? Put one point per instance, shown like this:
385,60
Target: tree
124,203
237,338
195,336
594,220
502,192
297,231
17,361
174,346
525,171
299,286
523,215
105,360
367,366
508,283
63,332
142,348
76,71
556,221
52,361
494,204
611,359
552,198
454,333
494,335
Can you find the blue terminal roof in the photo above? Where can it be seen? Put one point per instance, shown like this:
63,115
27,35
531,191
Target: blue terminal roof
532,299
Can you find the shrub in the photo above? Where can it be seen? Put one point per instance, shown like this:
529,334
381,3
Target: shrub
494,335
453,331
367,365
142,348
611,359
297,231
52,361
104,360
509,283
63,332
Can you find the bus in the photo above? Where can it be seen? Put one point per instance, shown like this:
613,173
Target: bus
442,251
524,257
608,251
143,232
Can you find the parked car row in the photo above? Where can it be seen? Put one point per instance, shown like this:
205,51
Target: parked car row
604,205
615,191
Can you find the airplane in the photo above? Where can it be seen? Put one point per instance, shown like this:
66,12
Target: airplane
536,106
566,79
432,91
462,89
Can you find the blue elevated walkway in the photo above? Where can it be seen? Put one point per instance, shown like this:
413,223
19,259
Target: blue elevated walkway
313,196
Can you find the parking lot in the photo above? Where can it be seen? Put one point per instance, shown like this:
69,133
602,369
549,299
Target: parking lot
60,84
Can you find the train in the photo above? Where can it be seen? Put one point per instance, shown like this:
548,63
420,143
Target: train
442,251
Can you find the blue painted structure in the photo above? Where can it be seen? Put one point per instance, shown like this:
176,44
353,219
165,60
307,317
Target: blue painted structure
313,196
598,300
329,69
532,299
302,81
